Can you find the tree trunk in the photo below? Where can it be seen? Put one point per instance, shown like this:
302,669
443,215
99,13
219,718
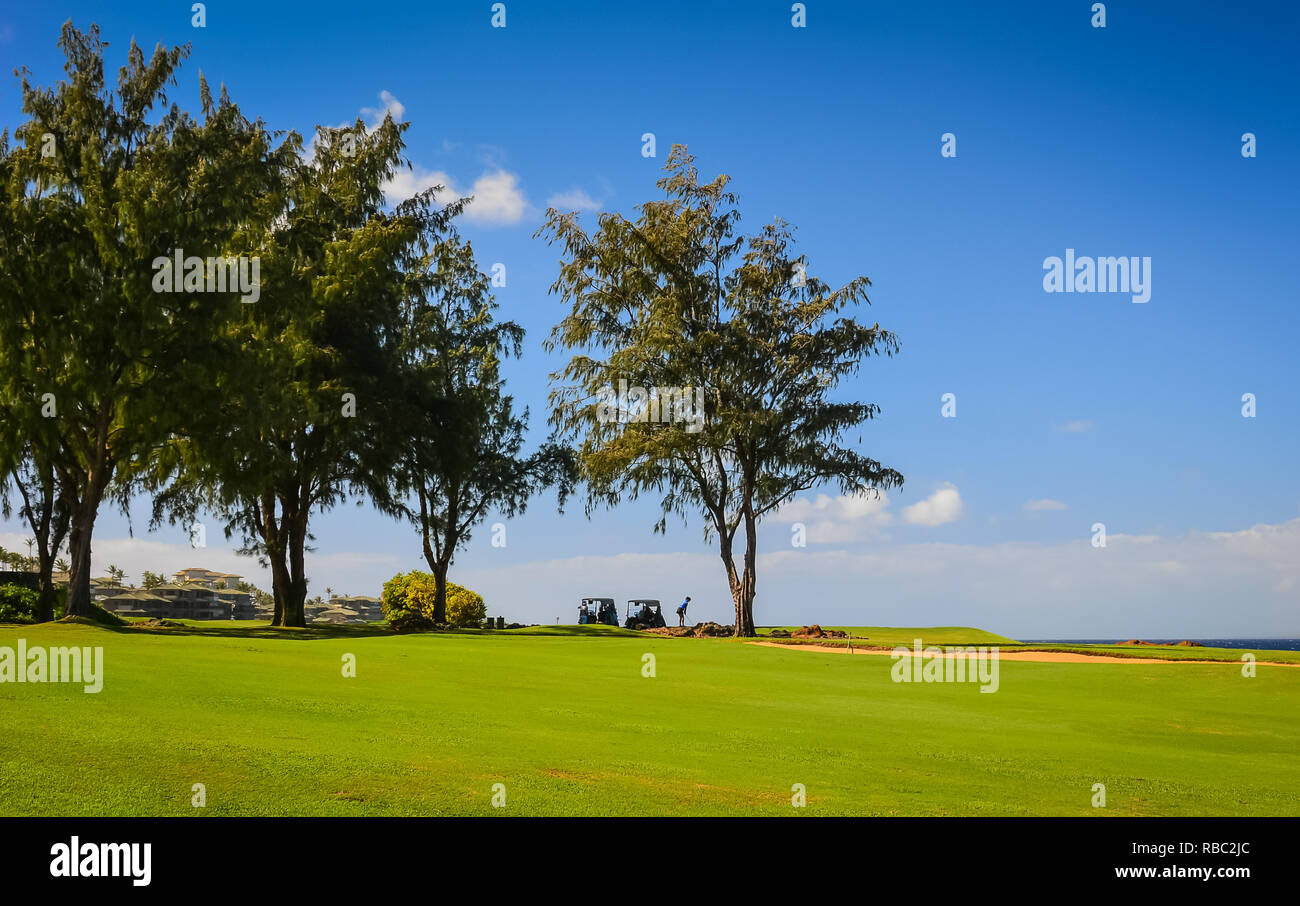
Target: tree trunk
440,569
82,515
83,524
45,603
295,599
45,558
279,583
49,529
733,581
743,585
439,558
748,581
277,544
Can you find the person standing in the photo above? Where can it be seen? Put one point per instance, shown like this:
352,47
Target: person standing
681,611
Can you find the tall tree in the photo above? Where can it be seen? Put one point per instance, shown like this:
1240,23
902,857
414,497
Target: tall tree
28,411
677,300
107,181
464,458
30,478
300,419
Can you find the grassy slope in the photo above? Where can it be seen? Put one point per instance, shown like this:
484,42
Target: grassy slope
568,723
890,637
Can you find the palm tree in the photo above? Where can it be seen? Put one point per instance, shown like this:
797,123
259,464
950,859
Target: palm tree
62,565
116,573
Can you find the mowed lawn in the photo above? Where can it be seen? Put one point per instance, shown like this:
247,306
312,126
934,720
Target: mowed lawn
565,720
891,637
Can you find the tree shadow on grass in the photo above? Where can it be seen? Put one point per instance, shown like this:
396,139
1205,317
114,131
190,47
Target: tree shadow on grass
240,629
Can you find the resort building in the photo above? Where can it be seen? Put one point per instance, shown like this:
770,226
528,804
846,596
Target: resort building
206,577
367,609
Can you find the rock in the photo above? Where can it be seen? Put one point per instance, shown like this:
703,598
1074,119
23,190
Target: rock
160,623
710,630
779,634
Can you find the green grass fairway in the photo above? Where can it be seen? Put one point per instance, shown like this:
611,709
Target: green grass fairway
892,637
563,717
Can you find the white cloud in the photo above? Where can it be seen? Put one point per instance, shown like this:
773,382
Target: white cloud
573,200
374,117
390,105
1078,426
844,518
135,555
347,572
840,518
1044,504
549,590
940,508
497,198
406,183
1198,585
823,506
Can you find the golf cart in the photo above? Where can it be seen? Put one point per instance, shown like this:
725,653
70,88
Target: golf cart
598,610
644,613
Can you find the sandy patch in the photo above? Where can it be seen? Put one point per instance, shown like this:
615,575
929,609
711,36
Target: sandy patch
1046,657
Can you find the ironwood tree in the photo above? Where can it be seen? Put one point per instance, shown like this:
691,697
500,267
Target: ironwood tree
302,414
100,369
465,455
677,299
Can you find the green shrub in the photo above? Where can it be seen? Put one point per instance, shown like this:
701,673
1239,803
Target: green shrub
407,595
464,607
410,621
409,600
17,604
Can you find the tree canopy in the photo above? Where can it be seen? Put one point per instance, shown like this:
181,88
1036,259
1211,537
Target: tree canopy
101,370
693,315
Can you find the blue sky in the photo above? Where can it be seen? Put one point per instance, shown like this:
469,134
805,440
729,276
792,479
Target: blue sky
1123,140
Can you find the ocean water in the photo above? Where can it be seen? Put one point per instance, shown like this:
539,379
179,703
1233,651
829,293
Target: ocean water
1249,644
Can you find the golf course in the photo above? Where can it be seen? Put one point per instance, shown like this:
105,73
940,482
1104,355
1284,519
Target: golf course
567,721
